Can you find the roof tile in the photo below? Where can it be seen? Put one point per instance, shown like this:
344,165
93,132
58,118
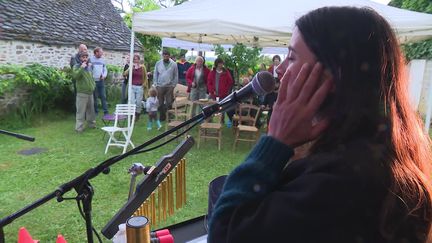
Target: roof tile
93,22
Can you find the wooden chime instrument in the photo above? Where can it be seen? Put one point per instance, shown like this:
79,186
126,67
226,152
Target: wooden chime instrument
169,195
154,196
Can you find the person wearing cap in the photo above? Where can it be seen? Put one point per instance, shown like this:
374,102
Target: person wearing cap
165,78
75,59
182,66
85,85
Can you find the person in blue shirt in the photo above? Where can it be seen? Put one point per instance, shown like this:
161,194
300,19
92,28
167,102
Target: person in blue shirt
100,73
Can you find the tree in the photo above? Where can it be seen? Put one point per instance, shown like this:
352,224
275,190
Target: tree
121,3
170,3
423,49
152,44
242,58
424,6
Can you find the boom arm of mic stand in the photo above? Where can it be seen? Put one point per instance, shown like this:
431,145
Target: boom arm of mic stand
20,136
81,181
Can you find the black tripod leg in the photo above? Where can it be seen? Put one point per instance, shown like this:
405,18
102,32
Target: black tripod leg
2,237
87,195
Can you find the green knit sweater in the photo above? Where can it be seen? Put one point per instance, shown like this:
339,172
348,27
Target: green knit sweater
84,80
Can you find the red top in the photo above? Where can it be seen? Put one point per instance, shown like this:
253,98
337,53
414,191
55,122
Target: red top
137,76
225,83
191,73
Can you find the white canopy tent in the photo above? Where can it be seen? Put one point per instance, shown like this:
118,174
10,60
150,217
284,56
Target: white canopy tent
188,45
260,23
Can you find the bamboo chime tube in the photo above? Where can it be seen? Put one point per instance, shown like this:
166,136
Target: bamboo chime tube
161,204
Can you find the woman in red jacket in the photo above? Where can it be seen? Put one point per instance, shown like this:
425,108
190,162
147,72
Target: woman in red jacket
276,60
219,80
196,78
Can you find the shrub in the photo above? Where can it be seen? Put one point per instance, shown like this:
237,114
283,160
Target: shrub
48,88
418,50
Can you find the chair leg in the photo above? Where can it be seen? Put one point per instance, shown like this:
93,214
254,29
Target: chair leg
199,137
219,139
235,139
109,142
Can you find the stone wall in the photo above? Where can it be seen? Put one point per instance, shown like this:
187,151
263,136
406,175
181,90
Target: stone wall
10,101
25,53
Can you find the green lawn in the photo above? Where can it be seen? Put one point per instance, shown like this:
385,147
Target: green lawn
25,179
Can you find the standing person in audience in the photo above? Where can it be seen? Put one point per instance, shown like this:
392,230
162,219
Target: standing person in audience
75,59
220,83
196,77
365,175
276,60
139,84
100,73
182,66
82,73
165,78
152,104
125,81
270,98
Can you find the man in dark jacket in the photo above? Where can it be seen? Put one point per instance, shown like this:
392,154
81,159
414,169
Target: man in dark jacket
182,67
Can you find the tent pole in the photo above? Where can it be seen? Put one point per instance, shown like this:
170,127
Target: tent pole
131,53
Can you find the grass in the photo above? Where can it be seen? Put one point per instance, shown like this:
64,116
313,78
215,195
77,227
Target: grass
25,179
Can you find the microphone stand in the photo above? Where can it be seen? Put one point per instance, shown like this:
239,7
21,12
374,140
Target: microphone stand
82,185
20,136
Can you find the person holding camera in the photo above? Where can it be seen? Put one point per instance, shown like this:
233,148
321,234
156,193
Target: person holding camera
85,85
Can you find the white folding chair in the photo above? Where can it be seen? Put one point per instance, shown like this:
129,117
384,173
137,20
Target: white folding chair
122,110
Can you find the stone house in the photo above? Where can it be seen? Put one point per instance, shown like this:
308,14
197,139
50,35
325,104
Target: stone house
49,31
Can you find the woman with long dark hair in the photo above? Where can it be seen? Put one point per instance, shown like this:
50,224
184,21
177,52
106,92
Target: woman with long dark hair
219,80
364,172
140,84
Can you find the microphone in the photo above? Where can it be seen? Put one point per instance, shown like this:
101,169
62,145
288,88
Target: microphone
261,84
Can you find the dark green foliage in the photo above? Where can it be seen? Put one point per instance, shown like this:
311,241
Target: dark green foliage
241,58
152,44
24,179
114,69
420,50
424,6
396,3
48,88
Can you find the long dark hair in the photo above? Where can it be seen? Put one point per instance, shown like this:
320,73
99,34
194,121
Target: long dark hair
371,101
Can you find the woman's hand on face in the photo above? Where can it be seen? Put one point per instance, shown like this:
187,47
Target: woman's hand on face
292,121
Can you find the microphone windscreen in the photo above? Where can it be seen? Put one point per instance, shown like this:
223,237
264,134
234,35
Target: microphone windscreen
263,83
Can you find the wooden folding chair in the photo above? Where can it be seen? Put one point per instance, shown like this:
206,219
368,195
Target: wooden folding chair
178,115
246,129
211,129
